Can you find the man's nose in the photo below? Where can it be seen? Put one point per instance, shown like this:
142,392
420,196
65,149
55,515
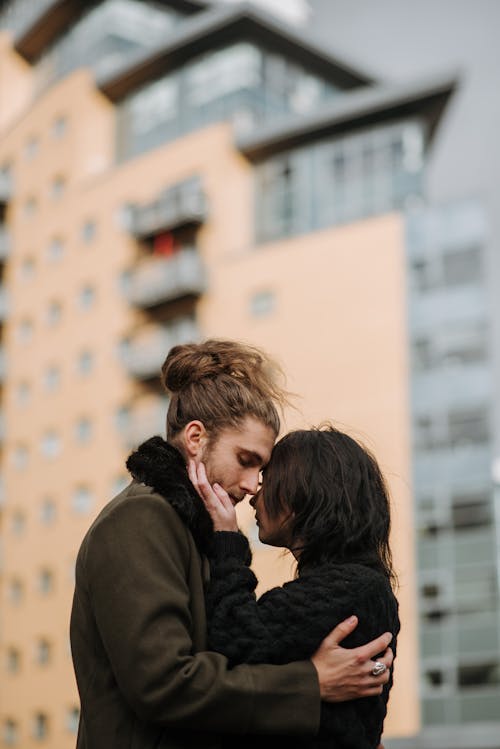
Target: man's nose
250,484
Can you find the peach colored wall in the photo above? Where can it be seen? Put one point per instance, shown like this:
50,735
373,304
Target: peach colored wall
339,329
15,83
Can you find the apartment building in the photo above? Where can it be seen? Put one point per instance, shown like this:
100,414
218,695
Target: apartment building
172,171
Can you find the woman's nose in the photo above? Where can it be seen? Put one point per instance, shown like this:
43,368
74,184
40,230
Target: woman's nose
254,498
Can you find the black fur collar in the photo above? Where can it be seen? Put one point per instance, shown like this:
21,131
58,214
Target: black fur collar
161,466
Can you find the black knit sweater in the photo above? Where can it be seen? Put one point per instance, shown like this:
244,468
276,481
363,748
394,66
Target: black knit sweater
289,623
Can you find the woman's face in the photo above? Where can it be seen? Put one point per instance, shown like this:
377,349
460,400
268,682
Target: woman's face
275,531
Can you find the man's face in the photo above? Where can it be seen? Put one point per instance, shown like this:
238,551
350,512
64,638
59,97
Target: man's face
237,455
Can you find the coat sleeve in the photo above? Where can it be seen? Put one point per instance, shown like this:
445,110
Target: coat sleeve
136,565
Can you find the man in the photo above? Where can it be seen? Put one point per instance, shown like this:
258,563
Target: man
138,624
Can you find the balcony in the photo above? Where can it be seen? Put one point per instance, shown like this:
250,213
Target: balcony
3,365
4,244
158,280
4,304
183,204
144,355
5,187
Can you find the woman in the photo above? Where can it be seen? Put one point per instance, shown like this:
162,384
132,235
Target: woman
323,497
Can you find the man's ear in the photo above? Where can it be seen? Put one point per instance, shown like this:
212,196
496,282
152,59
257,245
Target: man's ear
194,438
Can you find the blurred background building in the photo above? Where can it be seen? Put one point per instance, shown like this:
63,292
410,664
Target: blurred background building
316,178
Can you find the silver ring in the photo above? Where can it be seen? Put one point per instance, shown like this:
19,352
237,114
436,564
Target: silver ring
378,669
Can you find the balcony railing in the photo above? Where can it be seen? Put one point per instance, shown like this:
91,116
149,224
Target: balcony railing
5,187
144,355
4,304
159,280
180,205
4,244
3,365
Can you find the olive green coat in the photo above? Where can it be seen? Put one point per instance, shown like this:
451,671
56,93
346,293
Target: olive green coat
138,635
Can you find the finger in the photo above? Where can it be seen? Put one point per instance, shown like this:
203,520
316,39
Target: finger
387,658
192,475
341,631
223,496
373,648
204,488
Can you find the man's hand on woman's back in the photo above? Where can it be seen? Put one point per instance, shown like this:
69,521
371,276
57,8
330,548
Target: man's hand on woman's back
346,674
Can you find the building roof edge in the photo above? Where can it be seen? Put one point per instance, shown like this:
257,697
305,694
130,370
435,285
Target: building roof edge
427,96
205,30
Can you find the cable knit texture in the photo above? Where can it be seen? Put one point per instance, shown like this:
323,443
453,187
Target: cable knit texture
289,623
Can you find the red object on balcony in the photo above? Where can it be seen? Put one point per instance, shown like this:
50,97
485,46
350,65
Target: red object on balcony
164,245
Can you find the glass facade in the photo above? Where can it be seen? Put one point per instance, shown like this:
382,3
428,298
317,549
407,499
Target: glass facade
452,433
241,82
105,37
338,180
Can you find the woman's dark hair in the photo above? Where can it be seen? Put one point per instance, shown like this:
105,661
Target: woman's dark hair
337,495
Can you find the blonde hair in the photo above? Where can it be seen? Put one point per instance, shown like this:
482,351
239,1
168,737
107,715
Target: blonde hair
220,382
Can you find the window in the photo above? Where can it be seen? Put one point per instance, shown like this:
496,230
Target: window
59,127
479,674
475,587
27,269
23,393
86,297
122,418
85,362
262,303
52,379
50,444
45,581
18,523
30,207
10,732
20,457
43,651
40,726
82,500
218,74
54,313
31,148
89,230
16,590
462,266
72,718
13,663
48,511
83,430
57,187
434,678
277,192
154,105
25,331
55,250
468,427
430,590
471,511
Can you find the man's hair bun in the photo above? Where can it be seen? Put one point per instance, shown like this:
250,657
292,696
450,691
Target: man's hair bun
219,382
192,362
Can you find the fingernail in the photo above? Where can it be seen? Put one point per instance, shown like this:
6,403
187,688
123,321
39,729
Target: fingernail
388,637
351,619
